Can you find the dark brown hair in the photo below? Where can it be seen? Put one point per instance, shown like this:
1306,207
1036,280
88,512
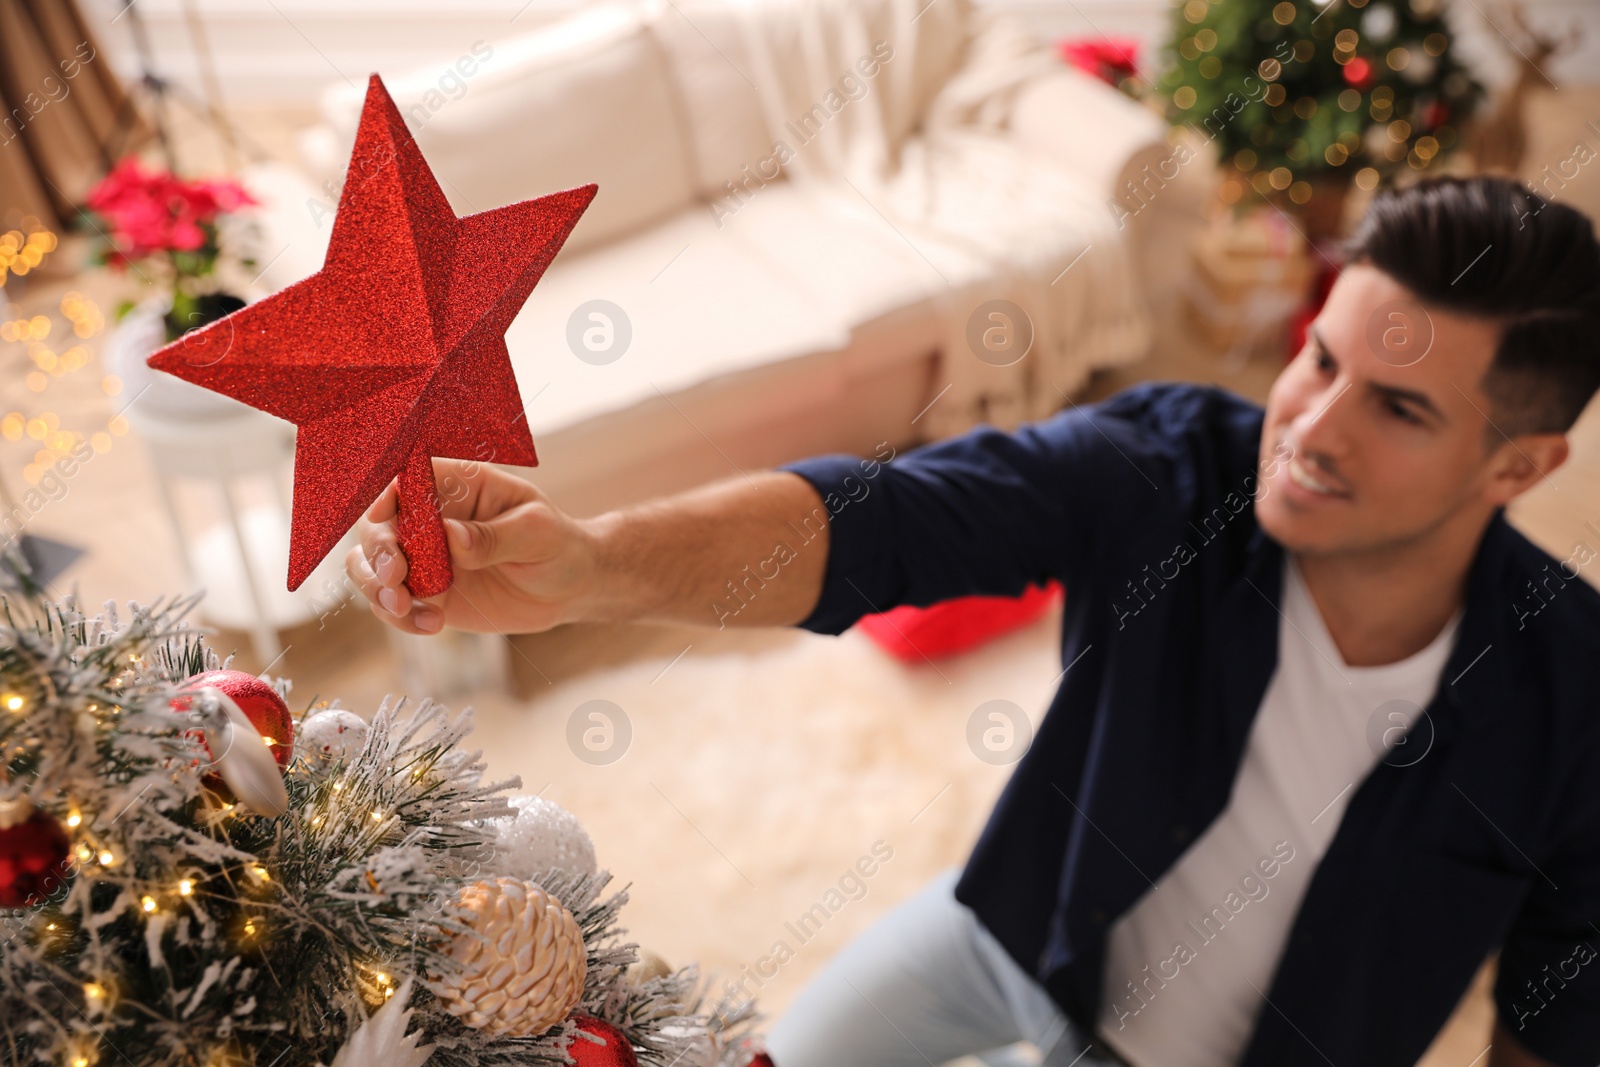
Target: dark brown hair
1491,247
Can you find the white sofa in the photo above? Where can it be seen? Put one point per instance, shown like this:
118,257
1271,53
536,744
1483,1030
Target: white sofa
775,314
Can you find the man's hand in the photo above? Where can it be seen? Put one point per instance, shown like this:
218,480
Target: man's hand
751,551
520,564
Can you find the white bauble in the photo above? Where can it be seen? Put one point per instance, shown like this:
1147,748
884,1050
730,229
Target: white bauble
1379,22
331,735
1421,69
541,835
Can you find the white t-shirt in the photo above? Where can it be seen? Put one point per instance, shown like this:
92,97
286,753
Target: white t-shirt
1189,965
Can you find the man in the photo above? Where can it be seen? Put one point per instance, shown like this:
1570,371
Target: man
1326,737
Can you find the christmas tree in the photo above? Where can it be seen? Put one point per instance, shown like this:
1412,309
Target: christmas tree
194,877
1297,94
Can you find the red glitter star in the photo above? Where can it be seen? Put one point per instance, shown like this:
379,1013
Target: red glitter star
394,351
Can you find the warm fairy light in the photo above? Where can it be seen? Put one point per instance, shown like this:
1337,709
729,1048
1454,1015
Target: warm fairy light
377,814
80,1061
317,821
270,740
186,887
14,702
107,859
250,928
148,904
74,820
85,853
337,786
94,991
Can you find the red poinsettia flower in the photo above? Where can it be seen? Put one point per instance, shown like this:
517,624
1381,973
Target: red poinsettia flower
1110,59
155,211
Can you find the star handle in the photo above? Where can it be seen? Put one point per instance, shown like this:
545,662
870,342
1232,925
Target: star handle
420,528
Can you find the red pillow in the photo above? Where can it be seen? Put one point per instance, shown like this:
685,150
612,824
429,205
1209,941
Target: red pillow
954,626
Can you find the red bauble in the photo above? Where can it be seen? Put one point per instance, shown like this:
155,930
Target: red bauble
260,703
394,351
617,1050
33,861
1358,72
761,1060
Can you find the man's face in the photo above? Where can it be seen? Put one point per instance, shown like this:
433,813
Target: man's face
1375,433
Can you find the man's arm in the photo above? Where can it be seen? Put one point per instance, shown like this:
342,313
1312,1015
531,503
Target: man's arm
747,551
984,513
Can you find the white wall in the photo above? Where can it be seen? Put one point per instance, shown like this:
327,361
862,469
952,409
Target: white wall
285,51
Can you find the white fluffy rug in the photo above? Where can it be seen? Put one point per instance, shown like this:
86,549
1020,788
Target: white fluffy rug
762,767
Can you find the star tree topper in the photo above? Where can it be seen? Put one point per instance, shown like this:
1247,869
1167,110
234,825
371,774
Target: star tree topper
392,353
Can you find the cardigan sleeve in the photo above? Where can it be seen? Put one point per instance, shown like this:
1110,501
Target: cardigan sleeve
988,513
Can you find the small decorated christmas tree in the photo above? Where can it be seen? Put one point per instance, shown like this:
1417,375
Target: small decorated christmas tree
1297,95
190,875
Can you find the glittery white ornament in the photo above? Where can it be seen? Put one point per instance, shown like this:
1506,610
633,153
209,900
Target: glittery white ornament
1379,22
521,969
331,735
541,836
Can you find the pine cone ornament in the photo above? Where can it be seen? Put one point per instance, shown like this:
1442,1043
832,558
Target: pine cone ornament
521,969
542,836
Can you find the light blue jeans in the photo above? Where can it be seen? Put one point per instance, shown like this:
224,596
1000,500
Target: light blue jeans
925,985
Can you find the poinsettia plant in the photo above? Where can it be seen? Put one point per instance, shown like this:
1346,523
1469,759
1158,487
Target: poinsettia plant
1114,60
166,229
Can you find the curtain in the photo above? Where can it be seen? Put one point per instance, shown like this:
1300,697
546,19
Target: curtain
62,111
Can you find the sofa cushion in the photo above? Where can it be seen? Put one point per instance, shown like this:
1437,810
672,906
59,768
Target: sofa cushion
707,54
697,306
796,272
586,99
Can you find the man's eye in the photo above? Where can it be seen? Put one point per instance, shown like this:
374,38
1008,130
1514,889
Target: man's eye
1400,411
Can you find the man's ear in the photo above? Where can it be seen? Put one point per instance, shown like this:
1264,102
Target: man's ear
1522,462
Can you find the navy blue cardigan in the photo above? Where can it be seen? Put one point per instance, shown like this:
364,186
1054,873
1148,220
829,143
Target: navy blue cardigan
1143,507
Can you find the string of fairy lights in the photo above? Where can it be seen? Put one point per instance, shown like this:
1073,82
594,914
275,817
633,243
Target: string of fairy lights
1372,58
53,348
251,882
